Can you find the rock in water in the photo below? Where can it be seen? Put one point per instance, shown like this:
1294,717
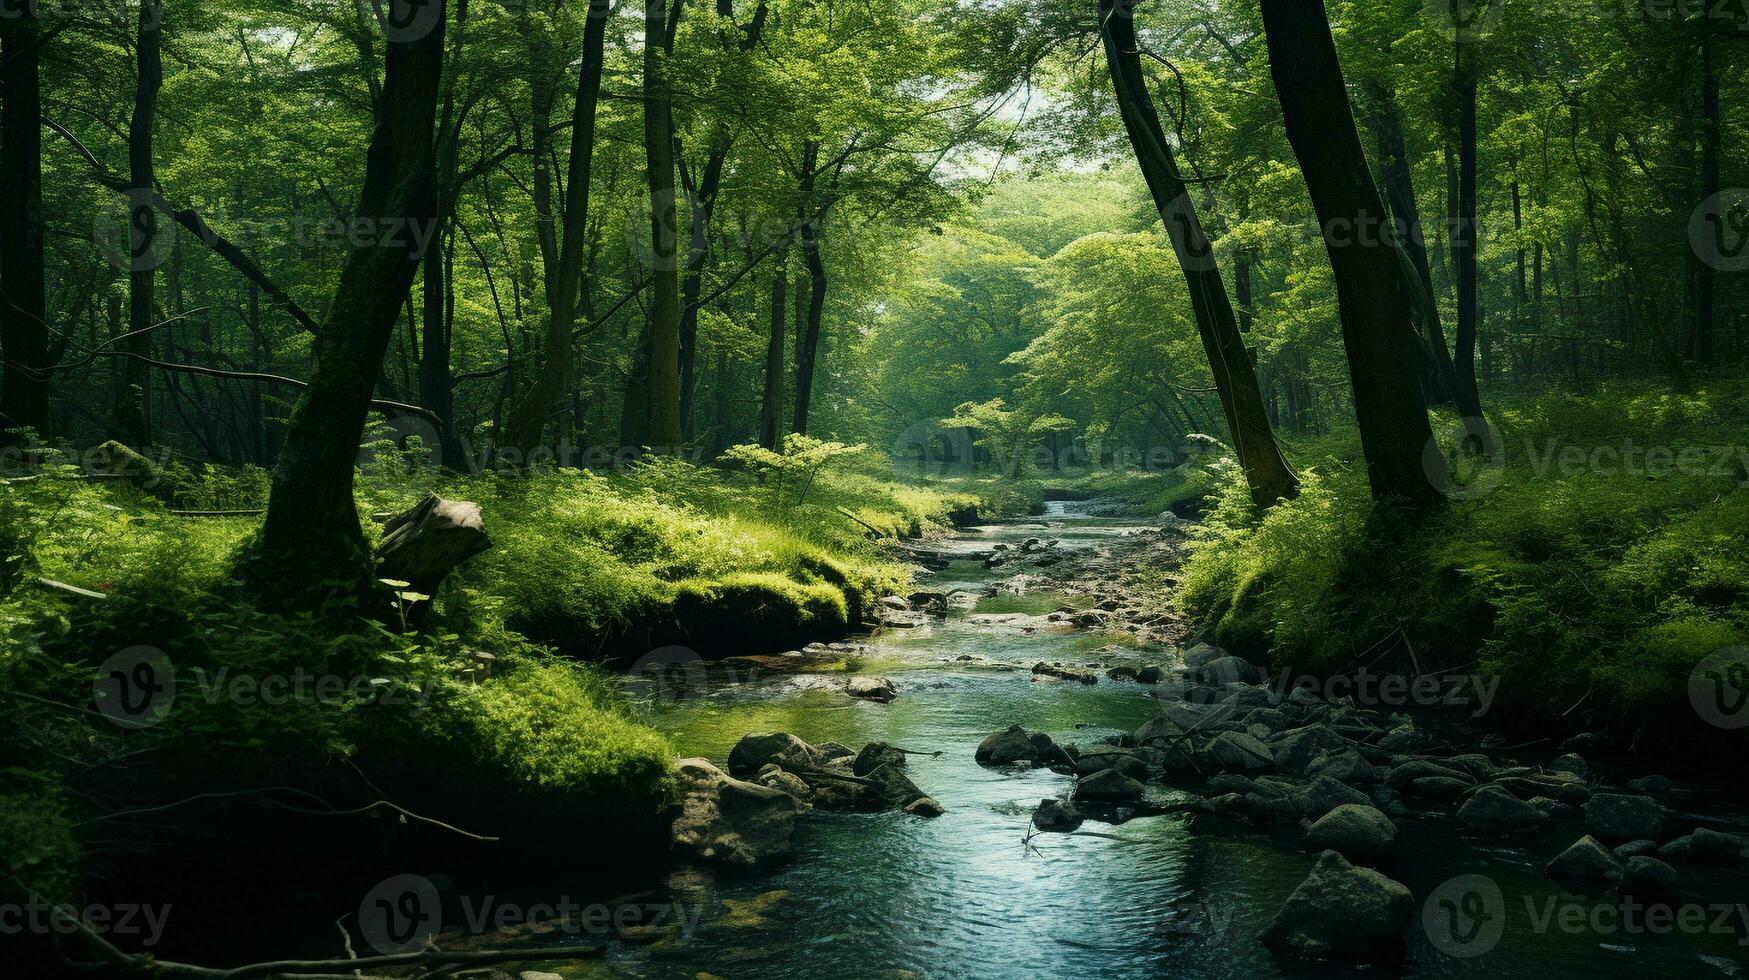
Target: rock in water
1239,752
724,820
925,806
1707,847
874,755
1015,744
1056,816
872,689
1648,877
1620,817
1356,831
1341,911
754,752
1496,812
1586,861
422,545
1108,785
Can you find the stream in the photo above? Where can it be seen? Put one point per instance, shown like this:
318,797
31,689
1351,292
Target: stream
892,895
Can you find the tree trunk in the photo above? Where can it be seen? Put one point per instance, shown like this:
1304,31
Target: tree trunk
312,528
808,343
1400,194
1370,286
552,388
661,422
1706,286
24,332
1266,470
135,407
770,405
1463,241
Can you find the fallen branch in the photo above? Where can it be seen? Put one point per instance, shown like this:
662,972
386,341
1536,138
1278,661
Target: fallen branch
877,532
70,589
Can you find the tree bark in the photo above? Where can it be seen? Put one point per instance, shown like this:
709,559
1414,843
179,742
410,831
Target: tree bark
134,407
528,418
312,520
24,332
808,343
1463,242
1706,287
1266,471
660,428
1371,289
770,405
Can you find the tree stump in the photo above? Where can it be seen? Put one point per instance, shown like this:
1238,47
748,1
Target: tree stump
423,544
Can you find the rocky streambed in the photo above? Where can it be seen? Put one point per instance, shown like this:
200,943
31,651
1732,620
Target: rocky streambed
1027,770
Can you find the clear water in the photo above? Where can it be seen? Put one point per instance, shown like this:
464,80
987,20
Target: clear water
889,895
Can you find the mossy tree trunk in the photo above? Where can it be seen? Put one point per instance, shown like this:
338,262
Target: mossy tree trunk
312,530
659,426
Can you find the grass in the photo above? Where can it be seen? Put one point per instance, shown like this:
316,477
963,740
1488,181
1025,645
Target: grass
1592,589
659,552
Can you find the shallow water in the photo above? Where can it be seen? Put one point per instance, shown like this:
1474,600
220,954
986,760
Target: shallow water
889,895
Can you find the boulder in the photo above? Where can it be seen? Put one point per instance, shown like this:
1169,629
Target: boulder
873,756
1016,744
1295,748
1324,794
871,689
1354,830
1340,912
1347,766
1202,654
789,753
925,806
893,787
1495,812
1649,877
1060,672
724,820
1620,817
1573,764
1636,848
1437,788
1707,847
1056,816
1156,729
785,782
1586,861
1401,776
1227,670
1096,758
1108,785
1238,752
422,545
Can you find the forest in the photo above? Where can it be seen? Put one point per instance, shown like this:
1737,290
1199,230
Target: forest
543,489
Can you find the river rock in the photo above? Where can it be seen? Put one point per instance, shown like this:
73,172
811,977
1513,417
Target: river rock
1354,830
1056,816
1345,767
1295,748
1437,788
1202,654
1495,812
1324,794
1649,877
871,689
1238,752
1096,758
785,782
1619,817
1227,670
1707,847
893,787
1060,672
1401,776
1340,912
725,820
1108,785
754,752
1573,764
1015,744
873,756
1636,848
1586,861
1158,729
925,806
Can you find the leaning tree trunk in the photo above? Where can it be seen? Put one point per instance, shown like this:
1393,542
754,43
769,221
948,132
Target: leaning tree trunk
24,332
1370,285
660,428
134,407
552,388
1266,471
311,537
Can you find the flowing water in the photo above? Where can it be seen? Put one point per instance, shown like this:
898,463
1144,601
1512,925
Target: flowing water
891,895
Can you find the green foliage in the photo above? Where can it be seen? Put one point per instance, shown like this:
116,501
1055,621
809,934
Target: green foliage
799,463
1576,584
